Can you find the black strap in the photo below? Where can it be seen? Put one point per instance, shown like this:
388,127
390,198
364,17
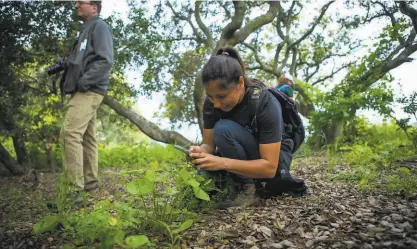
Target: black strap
256,98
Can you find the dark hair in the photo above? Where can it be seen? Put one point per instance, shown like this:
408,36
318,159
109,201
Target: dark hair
226,66
98,3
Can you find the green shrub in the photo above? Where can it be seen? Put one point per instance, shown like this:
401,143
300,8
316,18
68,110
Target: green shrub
139,155
370,160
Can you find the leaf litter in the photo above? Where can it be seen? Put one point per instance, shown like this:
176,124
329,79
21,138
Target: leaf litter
332,215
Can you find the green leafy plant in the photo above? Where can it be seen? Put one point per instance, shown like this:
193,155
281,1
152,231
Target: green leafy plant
371,160
160,195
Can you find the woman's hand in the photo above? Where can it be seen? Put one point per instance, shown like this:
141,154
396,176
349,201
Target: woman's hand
196,149
206,161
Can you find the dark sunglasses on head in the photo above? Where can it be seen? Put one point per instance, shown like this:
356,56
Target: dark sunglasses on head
82,2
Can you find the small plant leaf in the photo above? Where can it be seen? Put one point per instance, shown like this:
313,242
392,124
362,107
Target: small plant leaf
136,240
150,175
145,186
48,224
140,187
200,194
184,226
132,188
193,183
113,221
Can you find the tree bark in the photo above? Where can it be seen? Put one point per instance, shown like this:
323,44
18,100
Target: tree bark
4,171
8,162
199,100
17,136
305,105
20,148
147,127
334,131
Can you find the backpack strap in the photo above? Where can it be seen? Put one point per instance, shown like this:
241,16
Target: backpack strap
256,98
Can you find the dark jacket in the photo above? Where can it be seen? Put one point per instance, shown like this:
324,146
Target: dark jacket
90,61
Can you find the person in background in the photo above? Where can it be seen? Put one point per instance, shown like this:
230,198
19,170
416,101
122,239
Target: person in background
86,82
286,85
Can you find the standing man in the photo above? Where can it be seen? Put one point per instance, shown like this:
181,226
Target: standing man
86,82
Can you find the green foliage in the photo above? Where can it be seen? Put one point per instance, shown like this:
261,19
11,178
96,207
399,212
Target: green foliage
410,107
136,241
304,151
368,154
161,189
138,154
403,180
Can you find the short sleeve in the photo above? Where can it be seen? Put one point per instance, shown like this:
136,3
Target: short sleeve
209,115
269,118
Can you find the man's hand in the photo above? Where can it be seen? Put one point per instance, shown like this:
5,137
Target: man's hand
206,161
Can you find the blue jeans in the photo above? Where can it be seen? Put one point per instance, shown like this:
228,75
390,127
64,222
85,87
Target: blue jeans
236,142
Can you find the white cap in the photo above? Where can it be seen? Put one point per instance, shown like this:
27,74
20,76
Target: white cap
289,77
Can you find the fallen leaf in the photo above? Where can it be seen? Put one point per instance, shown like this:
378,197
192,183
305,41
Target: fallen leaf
266,231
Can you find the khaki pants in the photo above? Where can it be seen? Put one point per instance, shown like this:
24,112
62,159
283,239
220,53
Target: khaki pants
79,134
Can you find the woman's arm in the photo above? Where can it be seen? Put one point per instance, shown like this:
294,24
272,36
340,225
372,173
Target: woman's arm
265,167
208,144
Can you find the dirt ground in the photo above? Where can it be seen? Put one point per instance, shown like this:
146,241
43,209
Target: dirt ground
331,215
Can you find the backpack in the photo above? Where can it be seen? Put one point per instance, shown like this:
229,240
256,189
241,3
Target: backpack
293,125
283,182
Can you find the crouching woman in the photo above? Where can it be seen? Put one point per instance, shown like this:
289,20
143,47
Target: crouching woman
231,147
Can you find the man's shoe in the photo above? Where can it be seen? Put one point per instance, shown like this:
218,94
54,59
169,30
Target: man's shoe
91,187
76,198
245,197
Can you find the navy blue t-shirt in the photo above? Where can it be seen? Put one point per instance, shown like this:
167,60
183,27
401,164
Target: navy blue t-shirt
269,116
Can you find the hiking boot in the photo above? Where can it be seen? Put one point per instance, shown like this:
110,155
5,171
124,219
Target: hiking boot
91,187
75,198
244,198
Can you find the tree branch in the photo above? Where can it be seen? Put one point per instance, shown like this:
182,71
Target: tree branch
188,19
9,162
281,14
284,62
392,18
277,52
334,72
410,12
389,14
410,38
226,10
400,59
147,127
202,26
237,20
309,76
290,14
190,75
262,65
323,11
256,23
293,61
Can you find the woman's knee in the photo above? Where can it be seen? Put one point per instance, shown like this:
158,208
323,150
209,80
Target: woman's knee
223,130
